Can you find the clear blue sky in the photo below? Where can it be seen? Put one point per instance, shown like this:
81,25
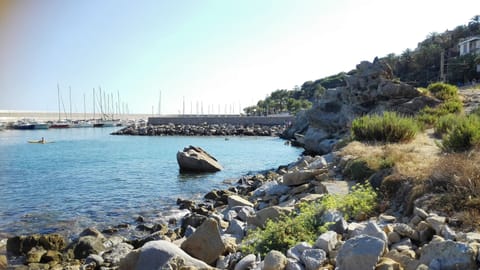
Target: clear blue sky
214,52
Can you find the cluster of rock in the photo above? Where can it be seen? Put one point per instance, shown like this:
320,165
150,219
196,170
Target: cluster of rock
211,234
204,129
369,89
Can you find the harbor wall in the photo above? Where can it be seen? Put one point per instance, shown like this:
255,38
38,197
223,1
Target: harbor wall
221,119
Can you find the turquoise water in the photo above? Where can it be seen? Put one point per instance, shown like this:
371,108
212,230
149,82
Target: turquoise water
90,178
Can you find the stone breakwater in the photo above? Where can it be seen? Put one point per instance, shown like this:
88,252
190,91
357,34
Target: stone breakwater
209,236
204,129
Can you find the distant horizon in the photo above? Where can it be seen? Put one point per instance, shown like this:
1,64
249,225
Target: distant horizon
225,55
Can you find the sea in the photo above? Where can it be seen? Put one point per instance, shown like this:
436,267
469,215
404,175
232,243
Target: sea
85,177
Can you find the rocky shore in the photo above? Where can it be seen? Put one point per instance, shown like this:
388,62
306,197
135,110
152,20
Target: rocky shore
204,129
211,234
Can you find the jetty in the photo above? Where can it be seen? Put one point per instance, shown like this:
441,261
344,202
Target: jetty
270,120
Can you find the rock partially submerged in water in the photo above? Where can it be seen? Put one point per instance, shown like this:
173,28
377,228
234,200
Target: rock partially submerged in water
195,159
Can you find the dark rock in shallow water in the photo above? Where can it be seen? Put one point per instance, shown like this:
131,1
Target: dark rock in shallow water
195,159
21,245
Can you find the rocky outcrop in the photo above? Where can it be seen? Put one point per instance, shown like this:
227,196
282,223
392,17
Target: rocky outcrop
160,255
202,130
370,89
195,159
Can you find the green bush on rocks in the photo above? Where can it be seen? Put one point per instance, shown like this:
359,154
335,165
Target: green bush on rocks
305,224
389,127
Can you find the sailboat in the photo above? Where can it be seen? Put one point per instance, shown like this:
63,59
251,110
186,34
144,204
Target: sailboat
59,123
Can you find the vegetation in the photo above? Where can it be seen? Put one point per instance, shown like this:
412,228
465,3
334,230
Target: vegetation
280,101
456,182
388,127
421,66
451,103
462,135
305,225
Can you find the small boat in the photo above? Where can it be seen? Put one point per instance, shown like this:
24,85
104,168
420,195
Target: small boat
40,142
60,124
40,125
23,125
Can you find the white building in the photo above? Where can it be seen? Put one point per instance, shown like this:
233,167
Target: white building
469,45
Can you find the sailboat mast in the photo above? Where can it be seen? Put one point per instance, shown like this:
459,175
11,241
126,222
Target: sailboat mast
84,109
94,103
58,97
70,96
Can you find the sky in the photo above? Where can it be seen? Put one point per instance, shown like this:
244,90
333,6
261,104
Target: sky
155,56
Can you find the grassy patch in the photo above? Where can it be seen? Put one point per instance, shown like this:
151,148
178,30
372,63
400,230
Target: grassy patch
451,104
388,127
464,134
305,225
456,180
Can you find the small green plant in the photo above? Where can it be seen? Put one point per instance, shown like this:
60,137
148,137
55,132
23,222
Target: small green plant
446,123
388,127
362,199
443,91
464,135
305,224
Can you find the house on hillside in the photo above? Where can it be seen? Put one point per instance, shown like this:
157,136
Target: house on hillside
469,45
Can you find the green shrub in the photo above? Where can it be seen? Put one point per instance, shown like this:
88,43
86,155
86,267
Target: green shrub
388,127
305,224
429,116
443,91
464,135
446,123
358,170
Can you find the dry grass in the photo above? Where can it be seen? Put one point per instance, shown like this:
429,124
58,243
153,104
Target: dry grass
413,160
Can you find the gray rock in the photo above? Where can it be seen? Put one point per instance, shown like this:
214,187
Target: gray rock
404,244
387,218
393,237
235,200
326,241
236,228
360,252
296,178
437,223
319,162
94,259
157,254
229,214
313,259
272,212
405,230
189,231
372,229
448,255
294,265
195,159
274,260
420,212
246,263
448,233
271,188
87,245
245,212
296,251
117,253
206,243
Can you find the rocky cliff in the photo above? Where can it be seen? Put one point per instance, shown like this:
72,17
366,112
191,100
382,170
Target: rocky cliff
370,89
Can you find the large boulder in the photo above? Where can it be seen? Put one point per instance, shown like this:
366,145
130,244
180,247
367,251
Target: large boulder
448,255
205,243
360,252
158,255
195,159
274,260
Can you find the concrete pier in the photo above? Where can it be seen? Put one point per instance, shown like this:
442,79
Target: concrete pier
221,119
